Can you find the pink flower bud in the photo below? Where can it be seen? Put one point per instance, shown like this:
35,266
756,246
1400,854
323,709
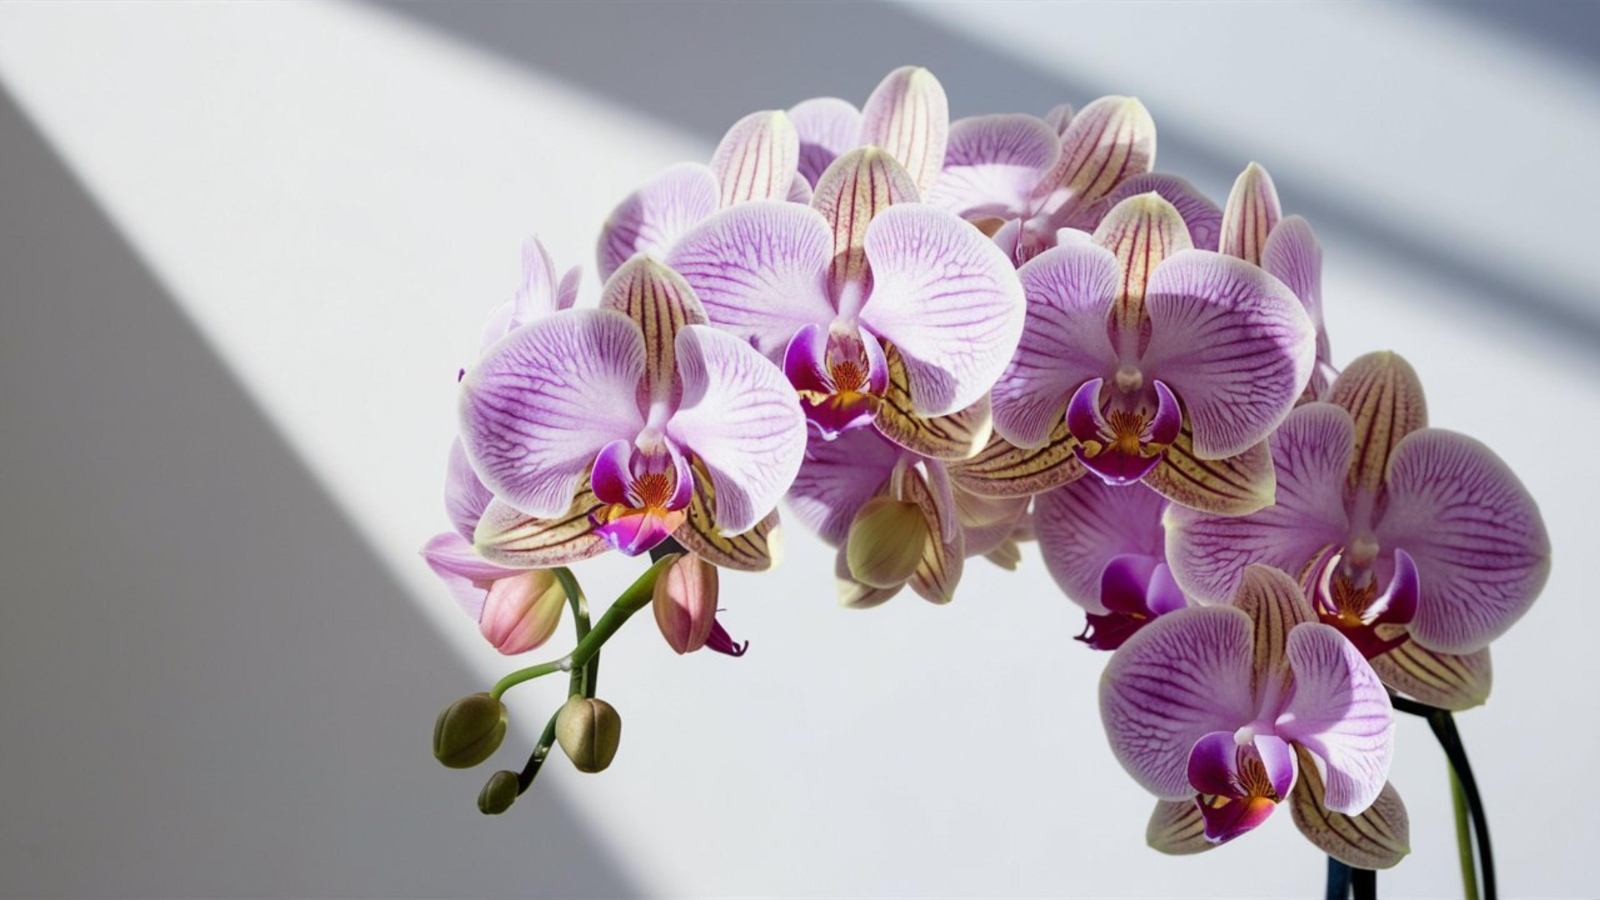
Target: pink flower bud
522,611
685,603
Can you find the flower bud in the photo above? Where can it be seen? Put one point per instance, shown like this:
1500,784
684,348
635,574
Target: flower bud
498,793
589,731
886,541
521,612
469,731
685,603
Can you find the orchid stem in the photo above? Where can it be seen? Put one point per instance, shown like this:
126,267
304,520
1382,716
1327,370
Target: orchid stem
631,601
1364,884
583,677
536,759
1338,881
1445,732
1469,866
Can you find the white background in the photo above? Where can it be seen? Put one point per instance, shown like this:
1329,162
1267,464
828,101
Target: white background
245,249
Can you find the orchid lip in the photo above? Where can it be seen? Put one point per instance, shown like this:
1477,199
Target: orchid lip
1240,778
647,493
839,374
1347,597
1127,444
1135,589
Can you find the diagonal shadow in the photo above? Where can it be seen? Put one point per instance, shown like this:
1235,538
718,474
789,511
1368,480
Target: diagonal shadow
210,686
700,65
1568,27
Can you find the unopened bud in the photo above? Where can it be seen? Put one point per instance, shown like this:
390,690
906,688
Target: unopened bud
521,612
469,731
498,793
589,731
886,541
685,603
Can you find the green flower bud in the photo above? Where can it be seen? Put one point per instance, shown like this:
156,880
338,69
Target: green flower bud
588,731
887,537
498,793
469,731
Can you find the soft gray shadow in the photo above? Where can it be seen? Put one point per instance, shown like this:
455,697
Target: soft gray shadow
701,65
1568,27
209,686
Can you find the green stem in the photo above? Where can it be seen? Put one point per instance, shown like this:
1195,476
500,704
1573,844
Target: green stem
536,760
583,677
635,598
1469,866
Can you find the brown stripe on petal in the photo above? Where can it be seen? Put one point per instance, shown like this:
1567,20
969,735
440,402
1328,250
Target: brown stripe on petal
1438,679
509,537
908,115
1236,486
757,158
853,190
756,550
1250,215
942,559
1141,231
1177,829
1276,605
1110,141
1002,469
1378,838
957,436
1384,396
660,302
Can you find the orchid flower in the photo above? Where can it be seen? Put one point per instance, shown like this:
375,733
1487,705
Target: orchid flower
1224,712
623,425
907,116
755,160
895,518
882,311
1420,543
1105,547
1166,364
1020,179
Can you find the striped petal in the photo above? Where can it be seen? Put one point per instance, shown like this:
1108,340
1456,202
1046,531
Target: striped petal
1232,342
757,158
1064,343
537,297
757,269
957,436
537,409
660,302
1475,534
949,301
1384,398
837,477
740,416
992,166
908,116
652,218
1234,486
1250,215
1201,217
509,537
849,195
1311,453
1177,828
1378,838
1084,526
828,128
1002,469
1109,141
1179,678
1140,232
1341,713
465,497
1445,680
944,553
756,550
1293,255
1276,606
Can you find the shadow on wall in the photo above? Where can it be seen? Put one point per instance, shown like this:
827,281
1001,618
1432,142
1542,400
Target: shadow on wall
700,65
210,686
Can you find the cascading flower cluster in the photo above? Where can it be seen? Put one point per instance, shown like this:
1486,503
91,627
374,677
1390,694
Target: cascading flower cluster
940,340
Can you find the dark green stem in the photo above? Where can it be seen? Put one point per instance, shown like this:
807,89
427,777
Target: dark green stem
1338,881
583,677
1469,863
1364,884
1443,724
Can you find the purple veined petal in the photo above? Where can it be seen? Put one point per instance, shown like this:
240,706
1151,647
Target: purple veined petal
1250,215
539,406
1341,713
849,195
757,158
466,574
567,290
828,127
1477,538
1293,255
948,299
1064,342
660,303
1202,217
1109,141
1059,117
1182,676
799,190
535,298
837,477
758,270
652,218
993,164
1232,342
908,115
739,415
465,497
1311,453
1085,525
